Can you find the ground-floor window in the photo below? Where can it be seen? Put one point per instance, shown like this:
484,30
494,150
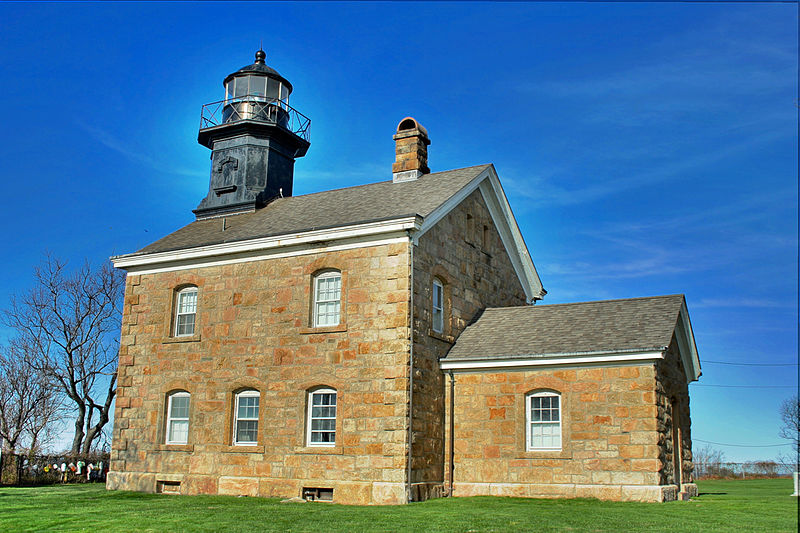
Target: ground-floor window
543,410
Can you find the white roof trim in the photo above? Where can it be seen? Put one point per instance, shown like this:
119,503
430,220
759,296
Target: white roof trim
551,362
687,348
251,247
491,190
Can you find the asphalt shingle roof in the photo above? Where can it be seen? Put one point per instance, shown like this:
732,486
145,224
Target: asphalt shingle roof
552,330
341,207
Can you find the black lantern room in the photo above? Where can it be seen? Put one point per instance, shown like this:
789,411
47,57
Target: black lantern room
254,136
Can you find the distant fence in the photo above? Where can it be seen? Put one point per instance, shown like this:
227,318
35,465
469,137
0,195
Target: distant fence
754,469
23,469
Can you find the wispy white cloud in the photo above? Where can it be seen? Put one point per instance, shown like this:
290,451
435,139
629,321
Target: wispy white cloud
541,192
743,303
126,149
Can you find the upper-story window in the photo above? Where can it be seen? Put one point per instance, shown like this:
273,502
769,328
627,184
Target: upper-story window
185,311
327,298
178,418
245,418
543,410
322,417
437,306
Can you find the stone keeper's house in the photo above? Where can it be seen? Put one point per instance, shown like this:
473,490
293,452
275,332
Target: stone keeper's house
378,344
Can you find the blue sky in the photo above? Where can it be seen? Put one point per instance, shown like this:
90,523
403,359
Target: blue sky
645,148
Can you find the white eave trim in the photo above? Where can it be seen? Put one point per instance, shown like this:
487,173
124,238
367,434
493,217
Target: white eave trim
687,348
500,210
253,246
550,362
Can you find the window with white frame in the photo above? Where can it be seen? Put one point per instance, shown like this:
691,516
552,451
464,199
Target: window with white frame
185,311
178,418
327,299
322,417
543,420
438,306
245,418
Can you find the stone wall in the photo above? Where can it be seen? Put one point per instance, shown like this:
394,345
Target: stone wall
465,252
610,435
674,418
254,331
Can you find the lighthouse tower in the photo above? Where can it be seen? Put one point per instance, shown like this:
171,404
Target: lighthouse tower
254,136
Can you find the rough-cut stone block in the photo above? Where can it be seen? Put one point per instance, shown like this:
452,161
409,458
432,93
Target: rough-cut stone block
238,486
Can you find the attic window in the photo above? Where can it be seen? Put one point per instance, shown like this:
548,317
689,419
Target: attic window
407,124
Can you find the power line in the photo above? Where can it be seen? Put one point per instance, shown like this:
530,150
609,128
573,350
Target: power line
742,445
750,364
749,386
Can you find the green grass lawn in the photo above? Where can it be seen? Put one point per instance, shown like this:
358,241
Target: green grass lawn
749,505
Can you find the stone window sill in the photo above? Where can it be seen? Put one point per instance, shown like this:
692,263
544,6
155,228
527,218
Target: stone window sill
442,336
176,448
187,338
309,330
319,450
245,449
545,454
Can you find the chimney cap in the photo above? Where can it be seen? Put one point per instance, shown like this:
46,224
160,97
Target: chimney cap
409,124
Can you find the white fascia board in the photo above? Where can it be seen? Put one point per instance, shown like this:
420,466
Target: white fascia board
686,345
343,237
550,362
499,209
504,220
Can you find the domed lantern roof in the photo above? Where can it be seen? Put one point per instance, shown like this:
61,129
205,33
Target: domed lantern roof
257,79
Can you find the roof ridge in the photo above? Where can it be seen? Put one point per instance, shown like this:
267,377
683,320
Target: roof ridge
588,302
382,181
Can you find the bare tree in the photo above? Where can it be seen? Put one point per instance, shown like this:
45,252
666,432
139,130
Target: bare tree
71,322
28,400
790,430
707,461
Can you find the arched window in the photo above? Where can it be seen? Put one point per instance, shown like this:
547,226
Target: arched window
437,306
543,417
245,418
178,418
327,298
321,417
185,311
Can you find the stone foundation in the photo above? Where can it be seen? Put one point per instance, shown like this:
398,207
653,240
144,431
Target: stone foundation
344,492
626,493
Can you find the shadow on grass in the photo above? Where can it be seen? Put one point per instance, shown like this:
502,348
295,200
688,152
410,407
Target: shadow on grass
711,493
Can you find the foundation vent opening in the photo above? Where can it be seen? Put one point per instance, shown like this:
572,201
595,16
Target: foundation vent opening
168,487
317,494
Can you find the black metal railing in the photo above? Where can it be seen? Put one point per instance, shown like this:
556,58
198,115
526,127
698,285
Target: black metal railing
256,108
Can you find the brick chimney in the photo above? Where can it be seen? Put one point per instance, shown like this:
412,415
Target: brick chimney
411,151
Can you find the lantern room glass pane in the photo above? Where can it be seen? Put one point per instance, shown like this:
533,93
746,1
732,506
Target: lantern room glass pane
257,85
273,88
240,89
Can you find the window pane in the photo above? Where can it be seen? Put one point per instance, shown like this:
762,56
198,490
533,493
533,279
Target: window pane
248,407
247,431
185,325
187,303
322,423
241,88
257,85
325,424
180,407
178,432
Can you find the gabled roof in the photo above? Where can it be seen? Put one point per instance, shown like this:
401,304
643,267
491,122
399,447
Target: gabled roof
329,209
408,208
619,330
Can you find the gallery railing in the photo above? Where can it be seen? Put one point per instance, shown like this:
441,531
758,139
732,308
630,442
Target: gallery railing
256,108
